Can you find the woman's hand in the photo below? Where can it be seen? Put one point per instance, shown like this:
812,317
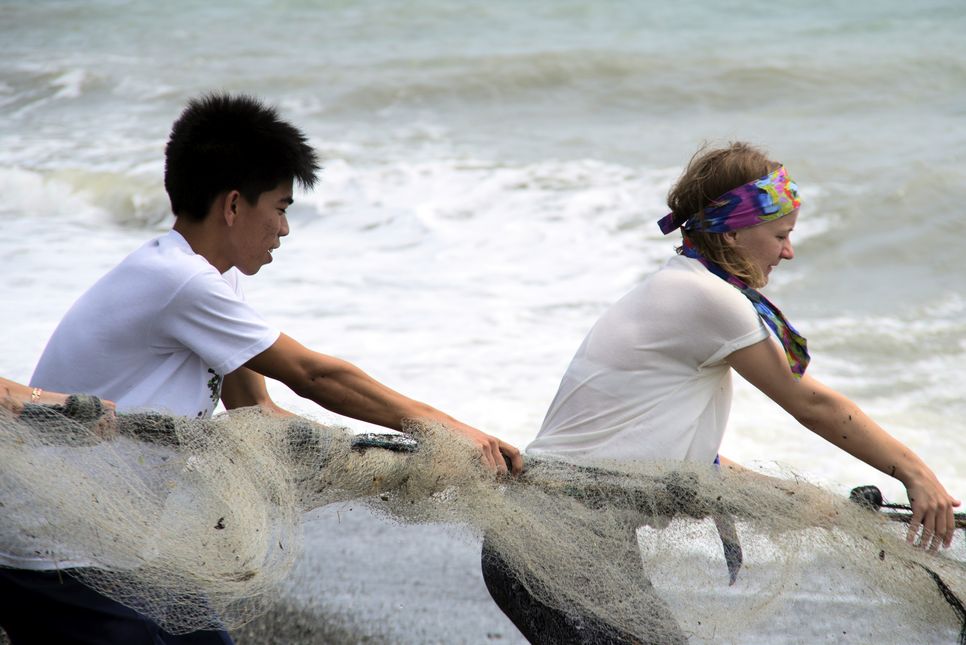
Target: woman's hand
106,426
932,513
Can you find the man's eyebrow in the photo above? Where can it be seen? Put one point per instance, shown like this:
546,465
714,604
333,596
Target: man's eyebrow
287,200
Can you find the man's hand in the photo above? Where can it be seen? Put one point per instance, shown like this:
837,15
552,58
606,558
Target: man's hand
496,453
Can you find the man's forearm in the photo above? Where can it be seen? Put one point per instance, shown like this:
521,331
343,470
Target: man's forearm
345,389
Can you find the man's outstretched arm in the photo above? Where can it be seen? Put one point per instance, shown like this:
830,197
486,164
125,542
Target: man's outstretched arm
343,388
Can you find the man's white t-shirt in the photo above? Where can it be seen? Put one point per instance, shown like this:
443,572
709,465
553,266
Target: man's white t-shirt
650,380
158,332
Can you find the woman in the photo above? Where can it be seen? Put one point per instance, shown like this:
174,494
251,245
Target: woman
652,379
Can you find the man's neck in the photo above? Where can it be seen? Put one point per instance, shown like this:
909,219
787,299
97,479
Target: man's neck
203,240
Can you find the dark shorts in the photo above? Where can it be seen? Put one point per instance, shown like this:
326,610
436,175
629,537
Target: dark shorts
45,607
542,624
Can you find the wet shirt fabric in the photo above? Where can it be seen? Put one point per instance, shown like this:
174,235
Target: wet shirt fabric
650,380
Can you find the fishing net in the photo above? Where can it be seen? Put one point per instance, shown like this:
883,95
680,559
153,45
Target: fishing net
197,523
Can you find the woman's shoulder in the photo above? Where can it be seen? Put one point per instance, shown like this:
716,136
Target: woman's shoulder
689,275
687,287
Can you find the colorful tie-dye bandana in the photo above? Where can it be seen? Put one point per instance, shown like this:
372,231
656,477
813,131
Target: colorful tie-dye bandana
763,200
796,350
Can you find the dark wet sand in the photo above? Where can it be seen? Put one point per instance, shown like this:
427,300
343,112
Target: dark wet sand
363,579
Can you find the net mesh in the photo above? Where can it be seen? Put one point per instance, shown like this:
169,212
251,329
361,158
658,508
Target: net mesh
197,523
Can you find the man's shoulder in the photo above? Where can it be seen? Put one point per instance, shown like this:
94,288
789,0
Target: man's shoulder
161,264
169,253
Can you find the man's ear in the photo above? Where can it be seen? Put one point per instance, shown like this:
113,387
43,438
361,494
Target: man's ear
229,207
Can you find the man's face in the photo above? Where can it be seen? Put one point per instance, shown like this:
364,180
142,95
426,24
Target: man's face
258,228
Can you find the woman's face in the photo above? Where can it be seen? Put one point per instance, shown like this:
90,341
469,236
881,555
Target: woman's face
766,244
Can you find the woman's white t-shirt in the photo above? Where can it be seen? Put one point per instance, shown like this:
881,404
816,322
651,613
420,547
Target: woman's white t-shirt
650,380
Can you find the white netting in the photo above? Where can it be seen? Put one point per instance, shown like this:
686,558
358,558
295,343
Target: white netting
197,523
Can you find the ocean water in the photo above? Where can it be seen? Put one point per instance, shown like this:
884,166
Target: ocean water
493,172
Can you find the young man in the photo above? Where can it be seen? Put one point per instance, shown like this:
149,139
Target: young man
168,329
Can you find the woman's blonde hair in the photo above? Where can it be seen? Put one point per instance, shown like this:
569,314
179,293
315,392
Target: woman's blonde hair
710,174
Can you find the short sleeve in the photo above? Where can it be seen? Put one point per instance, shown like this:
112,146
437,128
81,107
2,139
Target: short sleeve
727,320
209,318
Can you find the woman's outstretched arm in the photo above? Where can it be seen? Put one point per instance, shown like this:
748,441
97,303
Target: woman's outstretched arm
838,420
